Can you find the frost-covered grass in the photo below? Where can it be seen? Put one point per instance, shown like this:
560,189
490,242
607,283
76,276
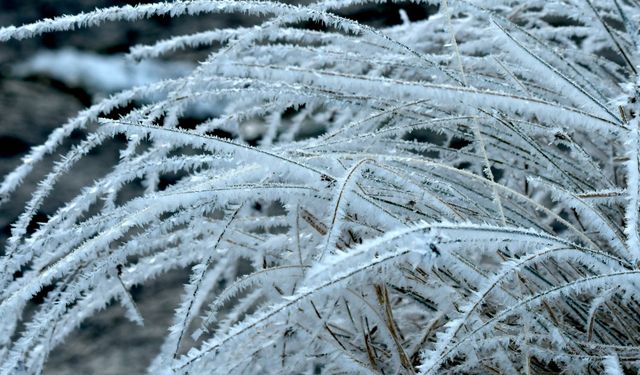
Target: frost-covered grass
452,195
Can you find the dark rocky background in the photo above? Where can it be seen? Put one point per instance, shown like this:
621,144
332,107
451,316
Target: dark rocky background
31,107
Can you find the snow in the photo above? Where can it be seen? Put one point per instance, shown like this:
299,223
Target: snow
99,73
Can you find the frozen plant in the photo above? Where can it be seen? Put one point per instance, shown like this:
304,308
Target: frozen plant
457,194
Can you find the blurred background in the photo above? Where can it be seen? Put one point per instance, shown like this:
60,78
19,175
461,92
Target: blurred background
46,80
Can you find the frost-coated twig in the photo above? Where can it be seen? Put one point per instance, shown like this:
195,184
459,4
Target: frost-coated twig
633,190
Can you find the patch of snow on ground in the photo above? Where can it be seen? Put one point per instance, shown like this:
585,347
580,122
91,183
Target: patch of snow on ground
99,73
